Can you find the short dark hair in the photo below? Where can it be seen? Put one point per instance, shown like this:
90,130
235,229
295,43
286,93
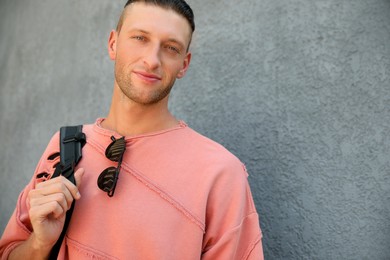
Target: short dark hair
179,6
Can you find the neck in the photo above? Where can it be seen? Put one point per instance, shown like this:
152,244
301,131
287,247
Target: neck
128,118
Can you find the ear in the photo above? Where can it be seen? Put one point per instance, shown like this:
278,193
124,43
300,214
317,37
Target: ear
112,44
186,64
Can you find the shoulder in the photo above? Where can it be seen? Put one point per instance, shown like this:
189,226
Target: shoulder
211,160
208,147
51,155
54,143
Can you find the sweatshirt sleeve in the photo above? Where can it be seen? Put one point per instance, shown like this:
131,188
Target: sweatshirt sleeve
232,223
19,226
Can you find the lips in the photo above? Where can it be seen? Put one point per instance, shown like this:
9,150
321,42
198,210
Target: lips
149,77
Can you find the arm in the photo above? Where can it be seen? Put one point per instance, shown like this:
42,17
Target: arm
48,203
232,223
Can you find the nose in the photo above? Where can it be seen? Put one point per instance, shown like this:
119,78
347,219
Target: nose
152,57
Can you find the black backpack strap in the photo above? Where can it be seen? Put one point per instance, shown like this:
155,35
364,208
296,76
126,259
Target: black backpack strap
72,139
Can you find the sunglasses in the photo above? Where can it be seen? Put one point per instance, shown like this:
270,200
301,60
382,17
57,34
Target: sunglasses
108,178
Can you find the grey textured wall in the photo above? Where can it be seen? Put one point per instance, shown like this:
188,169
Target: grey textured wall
299,90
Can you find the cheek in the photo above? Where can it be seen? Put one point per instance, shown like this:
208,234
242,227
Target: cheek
124,65
174,67
127,55
125,58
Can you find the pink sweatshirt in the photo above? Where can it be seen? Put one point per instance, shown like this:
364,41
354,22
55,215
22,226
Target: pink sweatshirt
179,196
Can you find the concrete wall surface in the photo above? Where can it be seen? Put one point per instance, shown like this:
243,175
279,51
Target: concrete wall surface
299,90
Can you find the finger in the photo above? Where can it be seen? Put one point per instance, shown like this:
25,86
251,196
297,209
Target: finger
54,187
73,189
66,184
41,212
78,175
60,198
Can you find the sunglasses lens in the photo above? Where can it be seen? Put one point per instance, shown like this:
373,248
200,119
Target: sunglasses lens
107,179
115,150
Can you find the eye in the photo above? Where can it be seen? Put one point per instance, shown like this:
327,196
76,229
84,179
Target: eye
173,49
138,38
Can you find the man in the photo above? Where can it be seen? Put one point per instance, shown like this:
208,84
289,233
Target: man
179,195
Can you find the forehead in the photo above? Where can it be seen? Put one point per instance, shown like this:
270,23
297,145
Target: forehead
155,19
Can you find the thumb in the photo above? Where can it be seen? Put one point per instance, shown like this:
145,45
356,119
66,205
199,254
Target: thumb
78,175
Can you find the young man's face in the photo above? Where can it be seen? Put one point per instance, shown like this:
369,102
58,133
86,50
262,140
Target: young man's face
150,52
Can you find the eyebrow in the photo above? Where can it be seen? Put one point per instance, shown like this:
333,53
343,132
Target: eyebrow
138,30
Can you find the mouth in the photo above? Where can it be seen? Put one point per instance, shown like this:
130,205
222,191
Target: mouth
149,77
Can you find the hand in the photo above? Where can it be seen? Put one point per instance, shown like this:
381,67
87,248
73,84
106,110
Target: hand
49,202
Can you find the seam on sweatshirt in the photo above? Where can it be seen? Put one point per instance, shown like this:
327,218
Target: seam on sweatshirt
232,230
251,247
87,250
96,127
166,196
